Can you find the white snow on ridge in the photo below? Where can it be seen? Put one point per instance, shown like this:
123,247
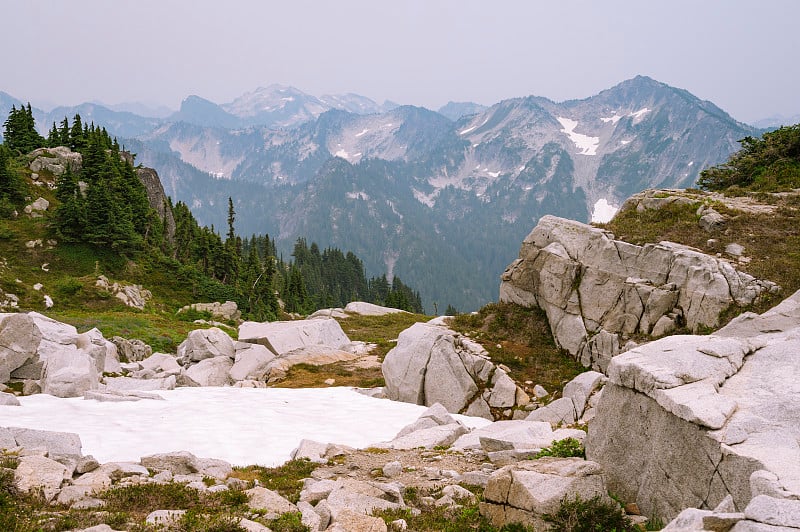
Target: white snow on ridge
494,174
341,153
640,113
603,211
240,425
358,195
586,144
465,131
362,133
613,119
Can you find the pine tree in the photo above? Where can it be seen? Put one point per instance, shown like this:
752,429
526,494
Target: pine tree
70,215
19,132
63,133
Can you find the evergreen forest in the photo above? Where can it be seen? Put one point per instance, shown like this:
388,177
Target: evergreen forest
103,205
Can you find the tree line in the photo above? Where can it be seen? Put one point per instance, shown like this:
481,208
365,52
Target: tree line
104,204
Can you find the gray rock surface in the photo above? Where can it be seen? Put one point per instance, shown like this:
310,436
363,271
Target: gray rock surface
525,491
69,374
211,371
55,160
201,344
131,350
588,284
219,311
370,309
251,362
19,340
432,364
284,336
260,498
703,417
157,199
34,473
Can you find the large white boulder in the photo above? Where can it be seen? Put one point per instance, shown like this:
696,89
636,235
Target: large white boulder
591,285
432,364
69,374
19,340
201,344
211,371
703,417
369,309
37,474
101,350
524,492
252,362
284,336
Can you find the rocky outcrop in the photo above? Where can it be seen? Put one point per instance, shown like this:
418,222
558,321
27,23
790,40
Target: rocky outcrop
132,295
433,364
524,492
219,311
686,421
158,200
356,307
597,291
55,160
46,355
282,337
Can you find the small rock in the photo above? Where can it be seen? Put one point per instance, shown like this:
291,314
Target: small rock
330,382
734,249
539,391
392,469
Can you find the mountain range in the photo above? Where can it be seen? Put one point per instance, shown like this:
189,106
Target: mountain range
441,199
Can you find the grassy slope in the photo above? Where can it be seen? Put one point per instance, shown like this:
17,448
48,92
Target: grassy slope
772,241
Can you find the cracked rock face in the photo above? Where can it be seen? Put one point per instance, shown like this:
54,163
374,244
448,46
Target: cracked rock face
595,289
686,421
433,364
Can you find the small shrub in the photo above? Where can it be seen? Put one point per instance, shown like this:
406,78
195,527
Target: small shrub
289,522
285,479
145,498
197,520
191,315
566,448
591,515
68,286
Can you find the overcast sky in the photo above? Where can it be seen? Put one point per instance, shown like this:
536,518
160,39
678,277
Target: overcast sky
740,54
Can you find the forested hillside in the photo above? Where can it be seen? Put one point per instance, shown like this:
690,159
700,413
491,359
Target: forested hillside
101,208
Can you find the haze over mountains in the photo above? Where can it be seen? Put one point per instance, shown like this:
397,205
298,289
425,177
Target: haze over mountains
441,199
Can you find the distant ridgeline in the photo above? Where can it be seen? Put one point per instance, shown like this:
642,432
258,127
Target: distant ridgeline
104,204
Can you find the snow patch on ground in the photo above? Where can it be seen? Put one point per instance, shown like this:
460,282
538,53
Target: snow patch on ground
624,142
494,174
465,131
586,144
364,132
603,211
341,153
240,425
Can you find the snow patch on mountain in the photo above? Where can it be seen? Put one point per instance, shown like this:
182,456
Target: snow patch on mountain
613,119
205,154
603,211
358,195
638,116
586,144
428,200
